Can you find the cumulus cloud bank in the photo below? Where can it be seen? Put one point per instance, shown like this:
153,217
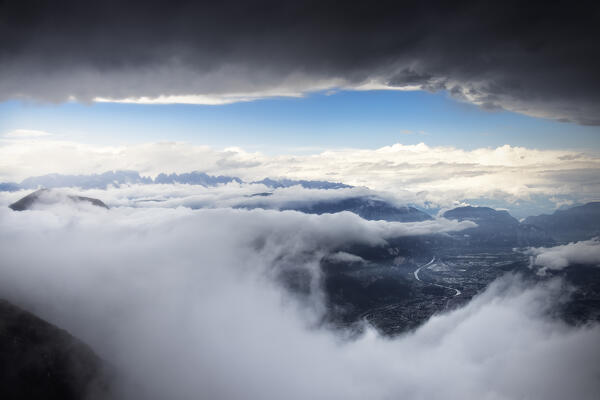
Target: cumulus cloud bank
418,174
540,61
187,304
586,252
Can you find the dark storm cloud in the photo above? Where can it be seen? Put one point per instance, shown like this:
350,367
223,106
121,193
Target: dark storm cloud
536,59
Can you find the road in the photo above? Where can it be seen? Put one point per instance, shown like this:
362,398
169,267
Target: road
430,263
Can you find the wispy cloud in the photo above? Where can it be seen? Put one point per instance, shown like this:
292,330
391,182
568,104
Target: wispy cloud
409,132
26,133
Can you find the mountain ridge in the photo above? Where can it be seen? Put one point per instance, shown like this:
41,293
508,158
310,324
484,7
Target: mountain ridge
121,177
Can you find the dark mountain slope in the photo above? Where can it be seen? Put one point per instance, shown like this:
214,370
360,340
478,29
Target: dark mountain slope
367,208
117,178
573,224
496,228
46,196
40,361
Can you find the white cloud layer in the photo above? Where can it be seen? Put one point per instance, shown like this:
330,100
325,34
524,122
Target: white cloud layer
232,194
586,252
418,173
184,304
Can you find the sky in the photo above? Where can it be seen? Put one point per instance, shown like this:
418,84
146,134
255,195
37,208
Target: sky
309,124
404,96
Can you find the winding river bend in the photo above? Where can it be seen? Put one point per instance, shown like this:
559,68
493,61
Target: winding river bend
427,265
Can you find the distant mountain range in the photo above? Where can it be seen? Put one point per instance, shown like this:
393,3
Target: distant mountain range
93,181
571,224
102,181
275,184
195,178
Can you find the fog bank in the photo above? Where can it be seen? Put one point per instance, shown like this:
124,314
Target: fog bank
187,304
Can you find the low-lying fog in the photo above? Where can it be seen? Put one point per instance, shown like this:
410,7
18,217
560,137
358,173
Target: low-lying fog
186,304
